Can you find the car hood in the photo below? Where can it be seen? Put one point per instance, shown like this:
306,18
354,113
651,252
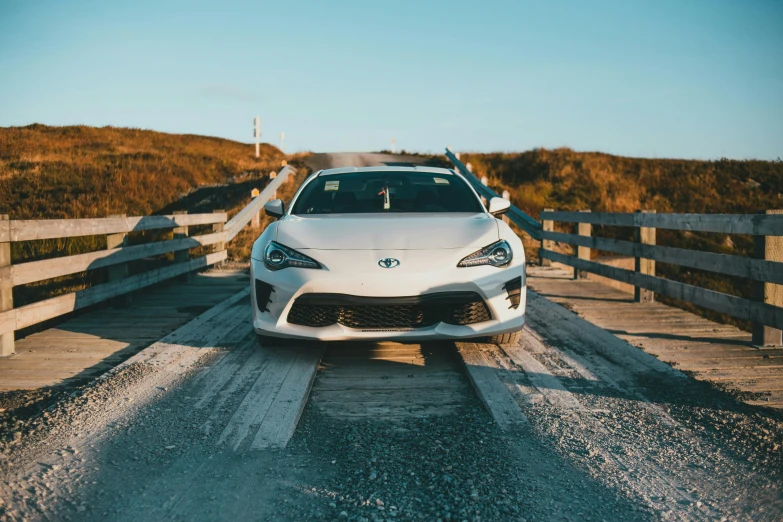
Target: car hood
387,231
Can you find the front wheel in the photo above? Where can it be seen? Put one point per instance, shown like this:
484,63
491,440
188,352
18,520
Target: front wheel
506,338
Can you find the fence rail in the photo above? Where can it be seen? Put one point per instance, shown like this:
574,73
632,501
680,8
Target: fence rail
115,258
530,225
34,229
752,224
765,269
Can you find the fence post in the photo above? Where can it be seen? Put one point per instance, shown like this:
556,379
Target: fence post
547,244
255,221
769,248
273,175
583,229
218,227
645,236
120,271
507,197
6,293
181,256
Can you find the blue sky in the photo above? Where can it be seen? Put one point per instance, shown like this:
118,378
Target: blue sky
686,78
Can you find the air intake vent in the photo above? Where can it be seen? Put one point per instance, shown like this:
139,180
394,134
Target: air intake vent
264,293
514,290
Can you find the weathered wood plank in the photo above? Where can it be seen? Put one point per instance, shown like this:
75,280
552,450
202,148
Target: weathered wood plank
24,273
259,398
720,302
34,229
755,269
6,291
243,217
490,389
540,377
279,423
5,231
721,354
753,224
28,315
390,382
321,396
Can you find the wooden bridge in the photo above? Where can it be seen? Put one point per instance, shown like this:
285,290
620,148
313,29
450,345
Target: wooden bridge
167,297
158,372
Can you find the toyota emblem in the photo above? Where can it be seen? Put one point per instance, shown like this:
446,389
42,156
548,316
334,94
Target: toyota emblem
388,262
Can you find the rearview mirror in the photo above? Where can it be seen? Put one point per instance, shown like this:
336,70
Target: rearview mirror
499,206
274,208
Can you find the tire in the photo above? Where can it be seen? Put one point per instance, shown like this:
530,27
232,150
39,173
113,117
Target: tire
506,338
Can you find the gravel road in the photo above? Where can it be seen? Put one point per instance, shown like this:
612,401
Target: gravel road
604,440
94,459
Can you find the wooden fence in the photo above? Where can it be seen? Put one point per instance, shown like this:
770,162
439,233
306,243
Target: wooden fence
114,259
765,269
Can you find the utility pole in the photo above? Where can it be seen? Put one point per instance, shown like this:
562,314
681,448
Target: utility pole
257,134
393,144
282,139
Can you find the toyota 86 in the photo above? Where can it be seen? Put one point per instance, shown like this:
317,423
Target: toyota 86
387,253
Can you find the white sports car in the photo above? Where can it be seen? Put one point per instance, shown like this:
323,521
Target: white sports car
388,253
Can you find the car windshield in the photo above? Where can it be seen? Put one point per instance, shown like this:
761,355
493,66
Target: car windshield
379,192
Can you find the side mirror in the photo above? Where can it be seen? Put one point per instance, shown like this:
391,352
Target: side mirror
275,208
499,206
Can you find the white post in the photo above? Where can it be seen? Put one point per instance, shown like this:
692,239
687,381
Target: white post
257,134
282,139
484,180
273,175
469,166
507,196
393,145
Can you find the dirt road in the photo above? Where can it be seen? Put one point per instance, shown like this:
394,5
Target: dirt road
363,159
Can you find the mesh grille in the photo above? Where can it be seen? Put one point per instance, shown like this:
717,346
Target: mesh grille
394,316
460,308
313,315
469,313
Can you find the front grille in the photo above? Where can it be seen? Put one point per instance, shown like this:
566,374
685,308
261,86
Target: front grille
389,312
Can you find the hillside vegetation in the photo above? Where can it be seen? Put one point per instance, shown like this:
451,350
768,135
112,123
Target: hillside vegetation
569,180
84,172
563,179
81,172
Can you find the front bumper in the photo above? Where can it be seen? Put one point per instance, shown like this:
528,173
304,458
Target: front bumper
271,318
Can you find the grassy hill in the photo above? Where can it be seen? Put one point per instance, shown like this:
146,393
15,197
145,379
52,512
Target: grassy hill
569,180
563,179
82,172
77,172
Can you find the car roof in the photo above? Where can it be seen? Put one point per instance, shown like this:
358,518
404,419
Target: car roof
426,170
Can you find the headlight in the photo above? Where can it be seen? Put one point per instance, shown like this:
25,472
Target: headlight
496,254
277,256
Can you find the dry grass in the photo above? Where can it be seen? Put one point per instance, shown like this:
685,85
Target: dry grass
563,179
82,172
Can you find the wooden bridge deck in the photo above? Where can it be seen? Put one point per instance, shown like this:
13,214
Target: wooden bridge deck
97,340
710,351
